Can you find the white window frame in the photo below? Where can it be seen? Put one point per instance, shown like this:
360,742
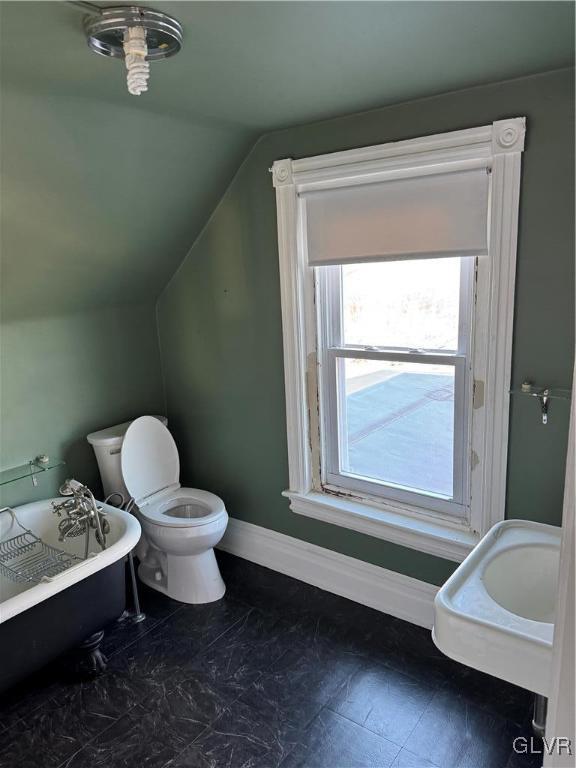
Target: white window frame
331,444
498,148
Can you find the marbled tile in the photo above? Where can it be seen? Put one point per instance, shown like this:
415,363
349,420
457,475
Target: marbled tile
251,681
350,627
259,587
300,683
492,694
47,737
311,615
245,651
103,699
407,759
321,617
201,625
298,603
384,701
27,697
241,738
176,714
198,699
332,740
315,614
147,736
453,733
121,634
410,650
156,606
157,662
162,659
323,632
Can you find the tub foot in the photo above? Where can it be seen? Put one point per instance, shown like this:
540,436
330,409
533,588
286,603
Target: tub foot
89,659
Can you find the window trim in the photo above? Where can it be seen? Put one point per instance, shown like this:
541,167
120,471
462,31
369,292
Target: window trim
499,147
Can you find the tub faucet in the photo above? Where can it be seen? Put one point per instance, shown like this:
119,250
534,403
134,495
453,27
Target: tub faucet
80,513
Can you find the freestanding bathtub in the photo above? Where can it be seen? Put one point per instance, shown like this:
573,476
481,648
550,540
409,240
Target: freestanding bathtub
39,621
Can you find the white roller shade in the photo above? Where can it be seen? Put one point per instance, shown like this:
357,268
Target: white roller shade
444,214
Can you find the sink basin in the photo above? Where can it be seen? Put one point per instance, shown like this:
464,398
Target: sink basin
523,580
496,612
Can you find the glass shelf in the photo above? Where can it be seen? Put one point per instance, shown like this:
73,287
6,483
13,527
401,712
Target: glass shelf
553,393
544,395
30,469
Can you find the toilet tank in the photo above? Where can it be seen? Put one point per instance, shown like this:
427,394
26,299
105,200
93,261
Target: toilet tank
107,444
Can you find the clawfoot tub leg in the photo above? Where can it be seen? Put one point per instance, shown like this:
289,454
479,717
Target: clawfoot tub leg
88,658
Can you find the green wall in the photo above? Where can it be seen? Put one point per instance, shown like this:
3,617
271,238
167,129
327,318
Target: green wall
65,376
100,202
101,196
220,325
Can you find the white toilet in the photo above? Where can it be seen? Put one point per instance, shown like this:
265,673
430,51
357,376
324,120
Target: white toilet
181,526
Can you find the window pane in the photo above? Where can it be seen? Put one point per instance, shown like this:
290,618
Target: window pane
397,423
410,303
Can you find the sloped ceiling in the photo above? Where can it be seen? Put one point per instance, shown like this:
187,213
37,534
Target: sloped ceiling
103,192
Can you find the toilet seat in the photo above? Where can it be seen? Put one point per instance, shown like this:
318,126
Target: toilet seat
151,471
203,508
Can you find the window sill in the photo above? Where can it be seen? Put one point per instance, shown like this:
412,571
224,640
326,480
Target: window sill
430,536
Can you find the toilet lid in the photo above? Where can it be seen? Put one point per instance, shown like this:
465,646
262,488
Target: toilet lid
149,458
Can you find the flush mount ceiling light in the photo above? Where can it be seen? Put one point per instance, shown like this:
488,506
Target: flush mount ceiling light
133,33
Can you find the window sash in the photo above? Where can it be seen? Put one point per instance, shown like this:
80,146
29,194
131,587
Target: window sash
336,433
332,412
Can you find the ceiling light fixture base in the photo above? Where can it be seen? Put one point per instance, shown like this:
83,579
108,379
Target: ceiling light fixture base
105,31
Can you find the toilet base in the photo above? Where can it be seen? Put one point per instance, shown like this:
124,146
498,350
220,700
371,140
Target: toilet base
192,579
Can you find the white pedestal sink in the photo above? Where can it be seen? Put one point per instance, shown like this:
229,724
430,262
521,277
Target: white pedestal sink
496,612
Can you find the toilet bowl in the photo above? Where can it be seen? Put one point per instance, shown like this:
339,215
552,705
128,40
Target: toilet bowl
181,526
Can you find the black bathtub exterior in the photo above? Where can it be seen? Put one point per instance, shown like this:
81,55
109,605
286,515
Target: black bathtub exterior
40,634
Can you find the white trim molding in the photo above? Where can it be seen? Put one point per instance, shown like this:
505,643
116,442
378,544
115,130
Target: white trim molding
498,148
397,526
393,593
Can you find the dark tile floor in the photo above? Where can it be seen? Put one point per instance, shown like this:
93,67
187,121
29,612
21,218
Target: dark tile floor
277,673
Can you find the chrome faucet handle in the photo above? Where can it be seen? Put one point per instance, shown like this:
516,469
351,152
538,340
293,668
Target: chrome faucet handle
71,487
68,506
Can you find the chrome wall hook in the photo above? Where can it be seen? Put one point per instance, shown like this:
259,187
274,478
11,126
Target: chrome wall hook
544,398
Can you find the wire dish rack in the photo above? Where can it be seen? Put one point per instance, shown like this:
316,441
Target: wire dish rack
25,558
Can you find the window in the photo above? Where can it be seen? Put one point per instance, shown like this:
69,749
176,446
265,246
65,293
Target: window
394,351
397,272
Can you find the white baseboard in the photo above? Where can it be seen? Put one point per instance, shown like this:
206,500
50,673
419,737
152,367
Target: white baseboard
379,588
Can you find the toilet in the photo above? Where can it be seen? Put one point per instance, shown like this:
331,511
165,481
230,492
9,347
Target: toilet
181,526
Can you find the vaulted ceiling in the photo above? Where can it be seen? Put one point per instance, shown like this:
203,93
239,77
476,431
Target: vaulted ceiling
103,193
